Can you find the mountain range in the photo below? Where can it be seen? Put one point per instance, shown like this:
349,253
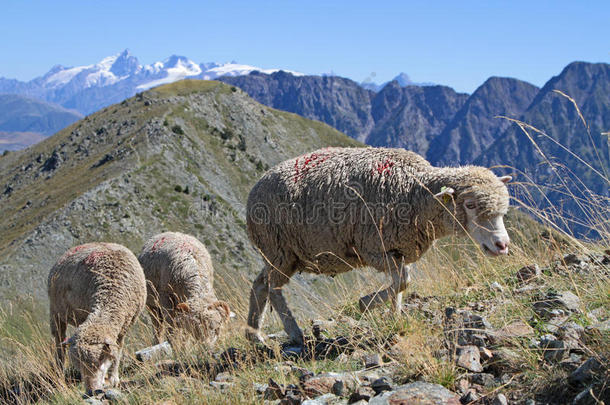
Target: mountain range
445,126
25,121
88,88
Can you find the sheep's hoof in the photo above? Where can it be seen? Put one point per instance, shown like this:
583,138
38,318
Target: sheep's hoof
255,337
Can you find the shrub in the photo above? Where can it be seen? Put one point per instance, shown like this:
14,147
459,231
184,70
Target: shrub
177,129
178,188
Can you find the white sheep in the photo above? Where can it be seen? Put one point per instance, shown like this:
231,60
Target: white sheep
336,209
100,289
180,276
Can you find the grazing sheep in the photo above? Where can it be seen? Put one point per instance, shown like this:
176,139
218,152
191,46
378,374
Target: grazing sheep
180,276
337,209
100,289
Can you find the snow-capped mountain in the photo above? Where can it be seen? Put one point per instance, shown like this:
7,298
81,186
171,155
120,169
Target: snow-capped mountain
403,80
91,87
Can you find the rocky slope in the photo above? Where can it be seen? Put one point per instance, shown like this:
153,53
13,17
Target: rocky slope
476,126
178,157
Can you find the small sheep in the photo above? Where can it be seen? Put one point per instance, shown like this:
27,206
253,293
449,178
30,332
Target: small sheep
100,289
337,209
180,276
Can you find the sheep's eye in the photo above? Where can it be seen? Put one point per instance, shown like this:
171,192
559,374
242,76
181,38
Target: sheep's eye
470,205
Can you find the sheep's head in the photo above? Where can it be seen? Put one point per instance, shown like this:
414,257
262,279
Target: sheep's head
480,205
204,324
92,352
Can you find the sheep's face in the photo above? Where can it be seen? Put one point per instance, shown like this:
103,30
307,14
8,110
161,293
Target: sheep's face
204,325
487,230
93,359
480,210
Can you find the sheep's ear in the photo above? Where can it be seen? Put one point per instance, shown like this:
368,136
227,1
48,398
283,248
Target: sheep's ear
183,307
222,308
505,179
445,194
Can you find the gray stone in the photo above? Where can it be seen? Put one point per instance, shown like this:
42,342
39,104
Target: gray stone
155,352
584,398
495,286
554,303
584,373
224,377
382,384
469,358
527,273
485,379
260,388
469,397
500,399
371,360
361,394
222,386
113,395
571,333
92,401
419,392
326,399
554,350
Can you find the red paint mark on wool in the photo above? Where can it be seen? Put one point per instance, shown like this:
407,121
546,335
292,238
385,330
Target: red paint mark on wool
71,252
186,247
158,244
309,162
93,257
384,167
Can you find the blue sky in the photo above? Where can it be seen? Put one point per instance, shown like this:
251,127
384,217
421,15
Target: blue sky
457,43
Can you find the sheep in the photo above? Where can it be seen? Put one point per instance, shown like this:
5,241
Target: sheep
336,209
100,289
179,275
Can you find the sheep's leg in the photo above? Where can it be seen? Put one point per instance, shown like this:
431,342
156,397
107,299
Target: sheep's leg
400,278
114,380
259,297
58,330
281,307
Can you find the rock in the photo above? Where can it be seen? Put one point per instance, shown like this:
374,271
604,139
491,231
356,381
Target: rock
571,333
222,386
154,352
572,362
371,360
260,388
327,399
420,393
324,383
292,352
495,286
585,372
469,358
338,388
92,401
274,391
291,398
554,350
463,385
361,394
484,379
382,384
528,273
224,377
564,301
469,397
485,354
516,329
500,399
113,395
585,398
